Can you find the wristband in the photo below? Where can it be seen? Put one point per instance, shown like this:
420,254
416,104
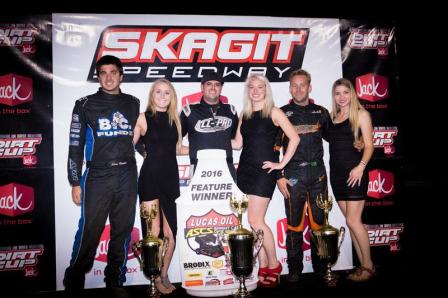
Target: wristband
363,163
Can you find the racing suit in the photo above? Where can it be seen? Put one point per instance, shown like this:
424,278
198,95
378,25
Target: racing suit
209,127
306,172
102,128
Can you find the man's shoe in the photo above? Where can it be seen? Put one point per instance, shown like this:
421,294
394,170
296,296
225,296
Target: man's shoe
118,292
293,276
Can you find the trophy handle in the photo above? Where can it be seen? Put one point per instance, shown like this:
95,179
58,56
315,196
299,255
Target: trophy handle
136,246
164,248
222,238
342,234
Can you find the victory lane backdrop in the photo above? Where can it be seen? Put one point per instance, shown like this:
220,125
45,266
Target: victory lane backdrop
45,54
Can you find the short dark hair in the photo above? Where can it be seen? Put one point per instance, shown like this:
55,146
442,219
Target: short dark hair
107,60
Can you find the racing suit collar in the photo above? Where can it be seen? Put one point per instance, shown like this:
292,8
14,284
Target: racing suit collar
209,105
108,95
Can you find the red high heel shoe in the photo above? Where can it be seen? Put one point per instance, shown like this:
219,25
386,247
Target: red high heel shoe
273,277
262,274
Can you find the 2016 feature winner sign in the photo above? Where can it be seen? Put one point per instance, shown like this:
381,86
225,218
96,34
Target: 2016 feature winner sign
203,212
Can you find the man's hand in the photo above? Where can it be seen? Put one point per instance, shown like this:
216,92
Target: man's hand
282,185
76,195
359,144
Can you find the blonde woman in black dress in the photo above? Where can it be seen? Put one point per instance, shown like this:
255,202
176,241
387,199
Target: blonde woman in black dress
257,129
348,176
158,183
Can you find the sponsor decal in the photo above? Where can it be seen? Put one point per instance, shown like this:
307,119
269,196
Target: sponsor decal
20,257
184,175
193,283
282,228
197,265
372,87
307,128
385,235
117,125
213,282
213,124
184,54
375,38
383,137
15,90
16,199
19,146
101,251
21,36
201,232
194,275
218,264
228,281
381,184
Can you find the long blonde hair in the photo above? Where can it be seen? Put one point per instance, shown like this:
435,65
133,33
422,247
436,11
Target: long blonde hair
173,116
355,106
268,99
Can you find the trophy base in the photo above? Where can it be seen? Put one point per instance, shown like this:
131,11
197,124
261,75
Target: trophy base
242,294
152,290
330,278
242,290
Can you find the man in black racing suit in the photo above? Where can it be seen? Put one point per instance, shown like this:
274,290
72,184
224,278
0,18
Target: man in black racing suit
304,177
210,124
102,127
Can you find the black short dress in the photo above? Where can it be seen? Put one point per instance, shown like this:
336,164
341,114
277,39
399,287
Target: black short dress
343,158
159,174
258,146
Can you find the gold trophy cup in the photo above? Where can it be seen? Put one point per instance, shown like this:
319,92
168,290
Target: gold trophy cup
152,250
326,239
244,246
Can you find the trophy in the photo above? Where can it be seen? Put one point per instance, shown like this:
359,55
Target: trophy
244,246
152,250
326,239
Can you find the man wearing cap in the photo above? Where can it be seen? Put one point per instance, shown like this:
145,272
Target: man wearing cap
210,124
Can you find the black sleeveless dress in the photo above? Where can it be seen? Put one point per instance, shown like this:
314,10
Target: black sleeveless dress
258,146
159,174
343,158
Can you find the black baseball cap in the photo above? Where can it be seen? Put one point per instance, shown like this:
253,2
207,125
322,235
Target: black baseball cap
212,76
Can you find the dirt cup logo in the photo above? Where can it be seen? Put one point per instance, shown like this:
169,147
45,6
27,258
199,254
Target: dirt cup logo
19,257
101,251
385,235
19,35
381,184
20,145
184,54
372,87
375,38
383,137
15,89
201,232
16,199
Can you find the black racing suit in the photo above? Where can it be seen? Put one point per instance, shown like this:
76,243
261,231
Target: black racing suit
306,171
209,127
101,131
